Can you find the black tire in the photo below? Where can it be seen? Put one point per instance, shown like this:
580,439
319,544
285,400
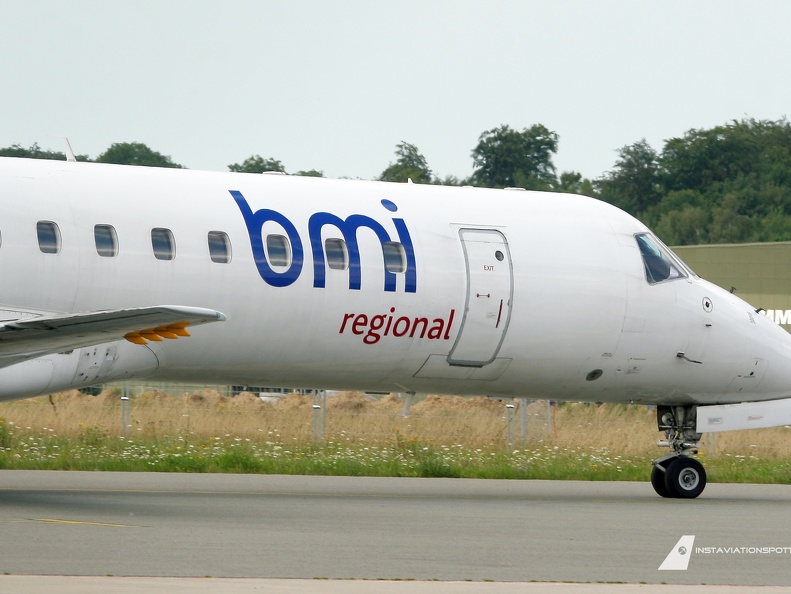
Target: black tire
685,478
658,481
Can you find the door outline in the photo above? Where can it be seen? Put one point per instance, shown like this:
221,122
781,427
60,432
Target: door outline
485,323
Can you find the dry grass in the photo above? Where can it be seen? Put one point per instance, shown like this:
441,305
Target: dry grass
352,417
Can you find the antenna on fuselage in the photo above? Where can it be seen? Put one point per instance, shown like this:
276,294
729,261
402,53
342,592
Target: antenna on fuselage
69,153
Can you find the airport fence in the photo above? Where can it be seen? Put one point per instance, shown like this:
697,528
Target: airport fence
509,422
315,416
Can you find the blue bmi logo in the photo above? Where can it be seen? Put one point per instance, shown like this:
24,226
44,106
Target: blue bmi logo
348,228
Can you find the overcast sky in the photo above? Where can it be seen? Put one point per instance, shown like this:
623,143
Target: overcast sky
334,85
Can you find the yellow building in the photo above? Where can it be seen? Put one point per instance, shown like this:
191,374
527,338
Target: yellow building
759,273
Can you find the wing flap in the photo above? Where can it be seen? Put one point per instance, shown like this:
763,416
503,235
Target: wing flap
33,334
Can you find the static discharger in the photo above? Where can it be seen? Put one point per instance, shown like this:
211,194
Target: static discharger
169,331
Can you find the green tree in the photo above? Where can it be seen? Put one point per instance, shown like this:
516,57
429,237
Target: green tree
635,183
449,180
572,182
310,173
257,164
135,153
705,157
687,226
505,157
728,224
35,152
775,226
409,165
725,184
744,170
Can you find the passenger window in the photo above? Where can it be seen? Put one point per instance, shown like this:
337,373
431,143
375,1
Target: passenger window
219,247
48,237
337,255
163,243
658,261
278,250
394,256
106,240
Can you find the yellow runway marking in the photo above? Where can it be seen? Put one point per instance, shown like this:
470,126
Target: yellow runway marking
104,524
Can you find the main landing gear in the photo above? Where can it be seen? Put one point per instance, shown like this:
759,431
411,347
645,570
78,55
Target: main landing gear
678,474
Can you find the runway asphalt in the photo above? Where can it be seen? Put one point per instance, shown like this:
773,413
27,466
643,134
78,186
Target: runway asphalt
322,529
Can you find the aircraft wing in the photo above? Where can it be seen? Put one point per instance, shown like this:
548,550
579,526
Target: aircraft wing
27,334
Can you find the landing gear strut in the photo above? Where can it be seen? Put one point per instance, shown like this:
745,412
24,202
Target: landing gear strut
678,474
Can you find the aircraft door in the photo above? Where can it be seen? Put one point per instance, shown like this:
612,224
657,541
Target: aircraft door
487,310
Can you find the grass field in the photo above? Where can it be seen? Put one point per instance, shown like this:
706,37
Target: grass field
442,436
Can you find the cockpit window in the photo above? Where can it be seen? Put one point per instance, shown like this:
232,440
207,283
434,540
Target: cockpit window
659,263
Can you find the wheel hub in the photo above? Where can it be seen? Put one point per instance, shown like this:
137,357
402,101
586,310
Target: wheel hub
689,479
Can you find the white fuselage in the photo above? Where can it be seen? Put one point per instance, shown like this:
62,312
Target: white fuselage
498,292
